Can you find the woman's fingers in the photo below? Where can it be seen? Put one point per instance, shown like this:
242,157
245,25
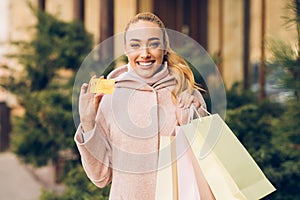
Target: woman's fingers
87,98
189,101
186,100
97,100
196,102
84,88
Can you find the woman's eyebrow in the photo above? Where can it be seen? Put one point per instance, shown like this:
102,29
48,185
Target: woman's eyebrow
153,38
136,40
150,39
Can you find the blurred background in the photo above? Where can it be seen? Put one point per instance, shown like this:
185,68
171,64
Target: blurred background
254,43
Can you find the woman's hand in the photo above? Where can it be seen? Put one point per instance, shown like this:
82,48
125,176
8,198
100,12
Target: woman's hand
88,106
185,100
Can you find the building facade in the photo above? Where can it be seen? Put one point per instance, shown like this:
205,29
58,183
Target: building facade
234,31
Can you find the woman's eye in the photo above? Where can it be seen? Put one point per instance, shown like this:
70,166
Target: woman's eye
134,45
154,44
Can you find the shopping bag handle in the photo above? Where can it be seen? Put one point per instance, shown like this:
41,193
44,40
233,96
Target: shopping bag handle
194,110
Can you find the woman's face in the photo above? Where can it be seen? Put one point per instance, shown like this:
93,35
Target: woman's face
144,48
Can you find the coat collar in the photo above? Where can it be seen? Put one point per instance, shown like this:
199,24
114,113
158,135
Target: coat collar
126,77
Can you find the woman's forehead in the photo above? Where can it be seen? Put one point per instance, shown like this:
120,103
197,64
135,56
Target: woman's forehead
143,30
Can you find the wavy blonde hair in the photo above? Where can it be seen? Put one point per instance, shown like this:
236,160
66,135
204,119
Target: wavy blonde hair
177,65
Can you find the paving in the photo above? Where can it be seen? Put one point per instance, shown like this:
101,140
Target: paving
16,181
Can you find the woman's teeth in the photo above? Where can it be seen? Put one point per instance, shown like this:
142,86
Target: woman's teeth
145,63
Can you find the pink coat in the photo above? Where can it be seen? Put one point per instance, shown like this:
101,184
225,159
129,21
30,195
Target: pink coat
123,146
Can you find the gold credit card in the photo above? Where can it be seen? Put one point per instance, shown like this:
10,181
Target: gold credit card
105,86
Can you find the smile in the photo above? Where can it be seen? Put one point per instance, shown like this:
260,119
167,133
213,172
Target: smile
145,64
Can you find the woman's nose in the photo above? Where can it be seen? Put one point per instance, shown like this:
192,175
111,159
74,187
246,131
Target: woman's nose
145,53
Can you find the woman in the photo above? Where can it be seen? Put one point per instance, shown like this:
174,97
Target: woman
119,140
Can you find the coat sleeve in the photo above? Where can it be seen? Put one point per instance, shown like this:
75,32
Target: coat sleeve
95,152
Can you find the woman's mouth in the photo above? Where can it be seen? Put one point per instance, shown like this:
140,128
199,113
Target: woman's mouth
145,64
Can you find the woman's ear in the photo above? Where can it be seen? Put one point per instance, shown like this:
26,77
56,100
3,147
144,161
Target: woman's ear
125,51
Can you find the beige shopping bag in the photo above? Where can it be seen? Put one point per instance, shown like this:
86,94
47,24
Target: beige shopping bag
179,176
166,180
192,184
227,166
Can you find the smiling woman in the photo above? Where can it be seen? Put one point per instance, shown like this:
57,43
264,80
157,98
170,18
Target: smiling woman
144,48
119,142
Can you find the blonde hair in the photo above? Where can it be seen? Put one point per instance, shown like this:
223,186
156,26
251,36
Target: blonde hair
177,65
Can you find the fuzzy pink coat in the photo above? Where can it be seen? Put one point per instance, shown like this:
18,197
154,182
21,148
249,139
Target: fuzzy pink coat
123,147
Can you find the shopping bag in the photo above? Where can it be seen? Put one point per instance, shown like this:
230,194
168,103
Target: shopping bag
179,176
192,184
229,169
166,180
